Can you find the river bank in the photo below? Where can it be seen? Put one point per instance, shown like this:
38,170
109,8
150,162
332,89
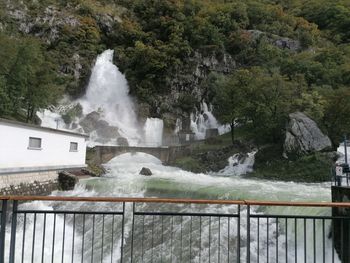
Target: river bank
213,155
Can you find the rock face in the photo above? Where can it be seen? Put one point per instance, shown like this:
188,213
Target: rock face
278,41
145,171
121,141
303,136
105,132
209,133
89,123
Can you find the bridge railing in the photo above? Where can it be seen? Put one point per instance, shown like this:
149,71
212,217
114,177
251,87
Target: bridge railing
84,229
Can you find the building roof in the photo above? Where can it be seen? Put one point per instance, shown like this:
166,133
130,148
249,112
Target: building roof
33,126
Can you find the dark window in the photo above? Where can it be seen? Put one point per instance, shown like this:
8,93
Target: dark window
73,147
34,143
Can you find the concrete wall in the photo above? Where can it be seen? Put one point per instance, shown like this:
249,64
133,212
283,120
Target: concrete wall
34,183
55,151
341,235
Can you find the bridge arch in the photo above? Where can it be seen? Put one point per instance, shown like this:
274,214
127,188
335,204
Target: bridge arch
103,154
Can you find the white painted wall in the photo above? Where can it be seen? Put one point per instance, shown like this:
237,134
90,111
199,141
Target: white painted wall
14,152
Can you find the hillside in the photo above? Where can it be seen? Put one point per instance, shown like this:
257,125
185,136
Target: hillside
284,56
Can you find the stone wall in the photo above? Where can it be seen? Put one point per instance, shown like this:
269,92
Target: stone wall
32,183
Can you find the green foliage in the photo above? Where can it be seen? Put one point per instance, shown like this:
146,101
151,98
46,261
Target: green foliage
75,112
25,77
155,40
263,100
332,17
269,164
336,118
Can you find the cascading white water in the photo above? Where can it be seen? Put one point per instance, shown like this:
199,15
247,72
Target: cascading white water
204,120
239,165
50,119
123,180
341,152
108,94
153,132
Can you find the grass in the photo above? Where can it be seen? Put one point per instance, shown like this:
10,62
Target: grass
312,168
188,163
211,154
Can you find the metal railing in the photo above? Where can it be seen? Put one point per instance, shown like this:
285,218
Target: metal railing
82,229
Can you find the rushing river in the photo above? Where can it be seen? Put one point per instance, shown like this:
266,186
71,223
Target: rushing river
170,239
166,239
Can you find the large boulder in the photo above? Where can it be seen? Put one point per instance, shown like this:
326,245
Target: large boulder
303,136
121,141
67,181
90,121
107,132
146,171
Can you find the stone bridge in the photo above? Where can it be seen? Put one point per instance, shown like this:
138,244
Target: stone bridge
167,154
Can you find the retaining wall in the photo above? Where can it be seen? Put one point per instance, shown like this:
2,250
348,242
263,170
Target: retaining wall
30,183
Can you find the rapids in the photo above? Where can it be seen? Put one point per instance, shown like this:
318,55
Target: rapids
123,180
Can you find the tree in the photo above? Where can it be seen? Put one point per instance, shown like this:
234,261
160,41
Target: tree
263,100
26,81
336,118
229,99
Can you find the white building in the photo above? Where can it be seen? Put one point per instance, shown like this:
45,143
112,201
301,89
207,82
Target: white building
26,147
31,157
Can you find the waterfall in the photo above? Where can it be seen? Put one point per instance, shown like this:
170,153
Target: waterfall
108,94
109,108
239,164
205,119
153,132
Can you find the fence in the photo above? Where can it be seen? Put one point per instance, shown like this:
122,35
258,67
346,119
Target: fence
70,229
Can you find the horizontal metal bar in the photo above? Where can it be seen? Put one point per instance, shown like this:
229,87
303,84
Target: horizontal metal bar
67,212
298,217
176,201
298,204
120,200
184,214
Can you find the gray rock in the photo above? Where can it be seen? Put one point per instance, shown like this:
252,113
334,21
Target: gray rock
107,132
303,136
121,141
90,172
145,171
287,43
90,122
66,180
209,133
278,41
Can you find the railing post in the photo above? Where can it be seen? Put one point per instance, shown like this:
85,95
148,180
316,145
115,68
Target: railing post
248,233
132,232
122,243
13,232
239,235
3,230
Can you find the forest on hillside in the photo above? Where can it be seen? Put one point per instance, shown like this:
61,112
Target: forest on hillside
287,56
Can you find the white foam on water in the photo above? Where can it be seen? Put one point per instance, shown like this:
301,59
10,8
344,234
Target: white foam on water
123,180
108,94
203,120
